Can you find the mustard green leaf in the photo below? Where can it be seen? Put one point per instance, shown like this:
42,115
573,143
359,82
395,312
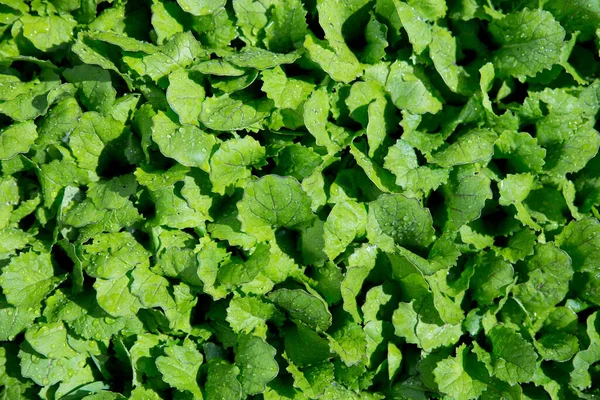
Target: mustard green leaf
179,367
398,220
273,202
529,40
16,139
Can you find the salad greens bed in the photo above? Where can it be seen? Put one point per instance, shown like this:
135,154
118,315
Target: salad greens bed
299,199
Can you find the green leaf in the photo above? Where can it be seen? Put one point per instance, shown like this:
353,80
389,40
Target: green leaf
179,368
343,67
490,279
521,150
378,302
47,371
9,193
376,37
96,326
152,290
50,340
225,113
442,51
314,186
228,227
297,160
185,97
581,241
580,376
208,266
453,379
249,315
187,144
273,202
430,9
361,95
514,357
313,380
48,33
252,17
530,41
288,94
197,193
165,20
111,255
235,84
382,179
36,100
190,209
298,338
174,256
419,31
360,263
94,87
514,189
141,393
178,52
394,360
316,115
333,55
345,222
14,320
348,341
303,306
425,328
60,119
329,277
201,7
256,360
16,139
474,146
229,165
466,194
114,296
255,57
576,15
573,153
221,382
520,245
11,240
410,89
399,220
91,136
218,67
558,347
401,160
284,91
28,279
549,273
377,126
287,26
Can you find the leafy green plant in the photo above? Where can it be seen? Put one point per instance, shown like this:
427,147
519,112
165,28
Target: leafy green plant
286,199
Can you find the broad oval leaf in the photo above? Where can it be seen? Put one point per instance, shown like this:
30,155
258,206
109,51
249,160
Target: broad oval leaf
303,306
273,202
530,41
395,219
225,113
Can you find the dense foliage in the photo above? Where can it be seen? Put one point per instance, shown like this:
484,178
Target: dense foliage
299,199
